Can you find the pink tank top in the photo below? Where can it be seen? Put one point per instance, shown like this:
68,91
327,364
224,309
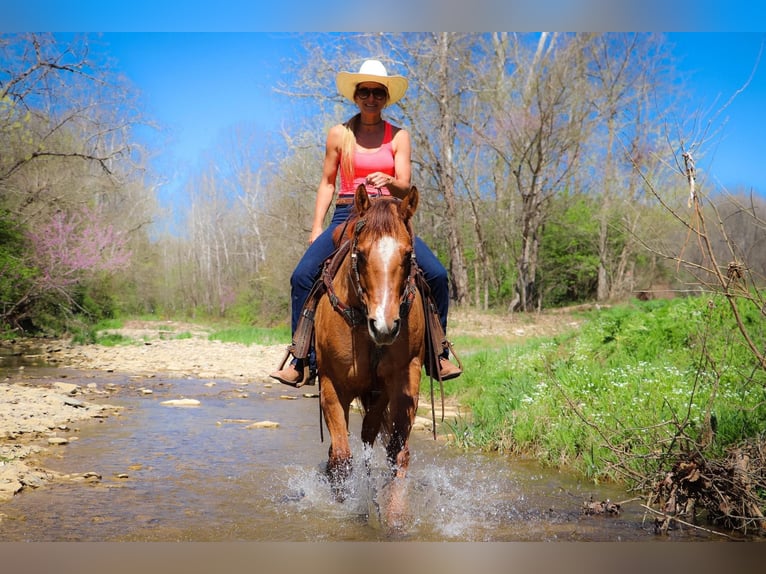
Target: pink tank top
365,163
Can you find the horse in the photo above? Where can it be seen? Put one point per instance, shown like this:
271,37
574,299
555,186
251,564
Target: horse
370,333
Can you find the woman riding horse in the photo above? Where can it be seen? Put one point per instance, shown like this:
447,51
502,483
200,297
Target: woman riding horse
369,151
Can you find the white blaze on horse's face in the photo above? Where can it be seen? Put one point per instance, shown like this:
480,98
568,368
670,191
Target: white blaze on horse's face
383,320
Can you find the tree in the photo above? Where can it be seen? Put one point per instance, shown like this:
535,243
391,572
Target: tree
438,71
448,100
67,163
540,125
58,108
624,70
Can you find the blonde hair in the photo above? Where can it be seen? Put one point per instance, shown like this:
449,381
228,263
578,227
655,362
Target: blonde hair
348,147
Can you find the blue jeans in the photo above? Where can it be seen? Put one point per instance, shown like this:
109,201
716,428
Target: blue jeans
310,266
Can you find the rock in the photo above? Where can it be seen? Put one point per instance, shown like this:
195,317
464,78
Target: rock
32,480
422,423
181,403
9,488
67,388
58,440
263,425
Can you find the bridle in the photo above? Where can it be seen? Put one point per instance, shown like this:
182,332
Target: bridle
355,316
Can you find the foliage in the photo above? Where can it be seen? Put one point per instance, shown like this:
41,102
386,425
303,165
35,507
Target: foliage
612,399
569,265
65,183
62,273
15,272
72,244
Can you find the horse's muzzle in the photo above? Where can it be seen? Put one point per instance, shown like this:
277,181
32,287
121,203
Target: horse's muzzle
383,333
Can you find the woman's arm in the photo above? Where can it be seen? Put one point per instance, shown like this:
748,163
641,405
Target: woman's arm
398,185
326,188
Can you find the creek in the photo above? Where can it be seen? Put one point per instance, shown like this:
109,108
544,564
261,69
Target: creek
203,473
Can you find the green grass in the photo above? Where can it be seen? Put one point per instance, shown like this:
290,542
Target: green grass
98,334
253,335
102,333
617,390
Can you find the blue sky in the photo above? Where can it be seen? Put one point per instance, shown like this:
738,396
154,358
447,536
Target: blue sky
198,85
718,65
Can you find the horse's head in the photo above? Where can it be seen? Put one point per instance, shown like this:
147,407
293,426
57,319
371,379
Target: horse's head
383,260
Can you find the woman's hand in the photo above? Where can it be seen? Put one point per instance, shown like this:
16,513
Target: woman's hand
379,179
314,234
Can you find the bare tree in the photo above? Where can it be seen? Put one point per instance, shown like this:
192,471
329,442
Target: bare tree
541,123
625,70
59,108
436,65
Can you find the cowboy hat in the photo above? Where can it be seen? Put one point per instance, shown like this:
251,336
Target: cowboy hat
371,71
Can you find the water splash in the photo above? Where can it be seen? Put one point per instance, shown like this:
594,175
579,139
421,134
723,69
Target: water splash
438,500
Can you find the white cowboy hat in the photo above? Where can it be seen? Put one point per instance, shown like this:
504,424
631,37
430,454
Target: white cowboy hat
371,71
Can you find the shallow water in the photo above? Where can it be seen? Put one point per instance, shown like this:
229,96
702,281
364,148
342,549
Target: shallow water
199,474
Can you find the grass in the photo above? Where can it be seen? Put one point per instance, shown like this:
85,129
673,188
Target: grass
619,389
101,334
253,335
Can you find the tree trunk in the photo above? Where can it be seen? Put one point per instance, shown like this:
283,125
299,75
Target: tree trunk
447,133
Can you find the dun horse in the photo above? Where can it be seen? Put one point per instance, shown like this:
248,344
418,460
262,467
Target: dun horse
370,330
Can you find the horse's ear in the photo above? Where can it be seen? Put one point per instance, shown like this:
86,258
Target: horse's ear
361,200
409,204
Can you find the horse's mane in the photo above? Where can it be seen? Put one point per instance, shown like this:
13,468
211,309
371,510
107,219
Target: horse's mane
381,218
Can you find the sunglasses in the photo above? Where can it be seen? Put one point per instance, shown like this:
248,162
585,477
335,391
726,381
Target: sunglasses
377,93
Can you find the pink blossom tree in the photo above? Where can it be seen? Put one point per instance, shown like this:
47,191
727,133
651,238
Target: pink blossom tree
69,250
73,247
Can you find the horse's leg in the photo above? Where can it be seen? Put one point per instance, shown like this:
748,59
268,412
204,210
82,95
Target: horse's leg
374,404
402,413
395,510
336,418
374,411
402,416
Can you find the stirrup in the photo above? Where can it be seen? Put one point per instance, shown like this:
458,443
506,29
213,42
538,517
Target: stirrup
307,378
446,344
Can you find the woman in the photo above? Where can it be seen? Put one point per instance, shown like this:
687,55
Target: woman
366,150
